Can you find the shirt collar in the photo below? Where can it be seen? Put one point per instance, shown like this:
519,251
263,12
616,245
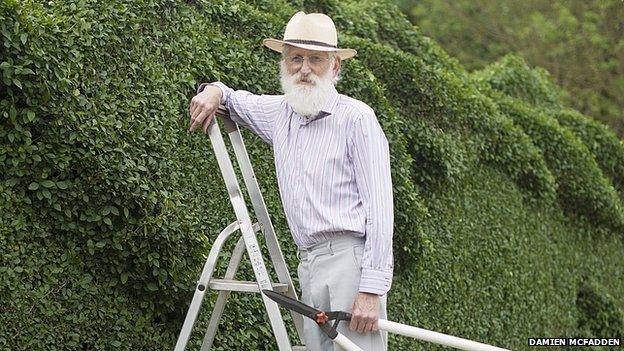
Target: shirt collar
332,100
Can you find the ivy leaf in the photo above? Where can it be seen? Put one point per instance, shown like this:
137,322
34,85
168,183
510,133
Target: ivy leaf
17,82
114,210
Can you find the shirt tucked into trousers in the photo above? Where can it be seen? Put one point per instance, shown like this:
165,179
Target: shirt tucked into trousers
333,172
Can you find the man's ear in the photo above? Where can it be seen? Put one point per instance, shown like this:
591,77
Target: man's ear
337,63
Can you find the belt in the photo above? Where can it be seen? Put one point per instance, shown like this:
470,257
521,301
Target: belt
334,244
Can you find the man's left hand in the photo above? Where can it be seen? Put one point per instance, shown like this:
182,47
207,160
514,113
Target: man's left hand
365,313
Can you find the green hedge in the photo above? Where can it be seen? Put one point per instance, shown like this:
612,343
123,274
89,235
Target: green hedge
596,307
582,156
512,76
606,147
436,97
108,206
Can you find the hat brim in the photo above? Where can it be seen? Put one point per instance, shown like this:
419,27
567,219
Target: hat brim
278,45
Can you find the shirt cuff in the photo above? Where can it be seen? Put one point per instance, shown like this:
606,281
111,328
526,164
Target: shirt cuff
201,87
375,281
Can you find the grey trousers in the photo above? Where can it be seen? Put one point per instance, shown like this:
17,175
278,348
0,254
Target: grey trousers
329,275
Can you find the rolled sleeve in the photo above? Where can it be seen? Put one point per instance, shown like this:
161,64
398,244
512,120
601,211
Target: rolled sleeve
254,112
371,160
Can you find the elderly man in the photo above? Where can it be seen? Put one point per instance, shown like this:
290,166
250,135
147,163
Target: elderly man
333,171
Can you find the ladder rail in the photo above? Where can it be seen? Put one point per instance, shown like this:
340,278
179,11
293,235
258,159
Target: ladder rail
263,217
251,242
247,242
219,306
202,285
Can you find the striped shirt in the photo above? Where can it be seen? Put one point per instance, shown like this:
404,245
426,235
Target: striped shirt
333,173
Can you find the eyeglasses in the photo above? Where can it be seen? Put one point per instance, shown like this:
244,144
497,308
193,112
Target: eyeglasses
314,60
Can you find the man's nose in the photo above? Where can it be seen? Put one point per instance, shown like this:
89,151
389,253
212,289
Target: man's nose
305,67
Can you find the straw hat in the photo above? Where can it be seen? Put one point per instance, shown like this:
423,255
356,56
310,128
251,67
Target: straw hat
314,31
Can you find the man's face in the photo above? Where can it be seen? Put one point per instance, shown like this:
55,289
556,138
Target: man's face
307,78
309,62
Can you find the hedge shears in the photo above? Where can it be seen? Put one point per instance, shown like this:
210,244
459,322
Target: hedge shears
323,320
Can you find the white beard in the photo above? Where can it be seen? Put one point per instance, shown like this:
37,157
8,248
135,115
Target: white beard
306,100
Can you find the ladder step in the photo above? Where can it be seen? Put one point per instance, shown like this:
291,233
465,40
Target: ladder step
238,285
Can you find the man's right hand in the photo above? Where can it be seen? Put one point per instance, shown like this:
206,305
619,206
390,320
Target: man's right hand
203,107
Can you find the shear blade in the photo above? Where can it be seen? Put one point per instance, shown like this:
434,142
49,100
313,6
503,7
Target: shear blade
292,304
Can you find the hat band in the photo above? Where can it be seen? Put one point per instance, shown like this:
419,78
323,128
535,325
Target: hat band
312,42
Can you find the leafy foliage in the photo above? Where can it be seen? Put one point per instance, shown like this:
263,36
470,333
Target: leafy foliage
108,206
599,313
581,43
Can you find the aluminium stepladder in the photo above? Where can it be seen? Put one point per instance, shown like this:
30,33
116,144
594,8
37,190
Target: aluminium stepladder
247,241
